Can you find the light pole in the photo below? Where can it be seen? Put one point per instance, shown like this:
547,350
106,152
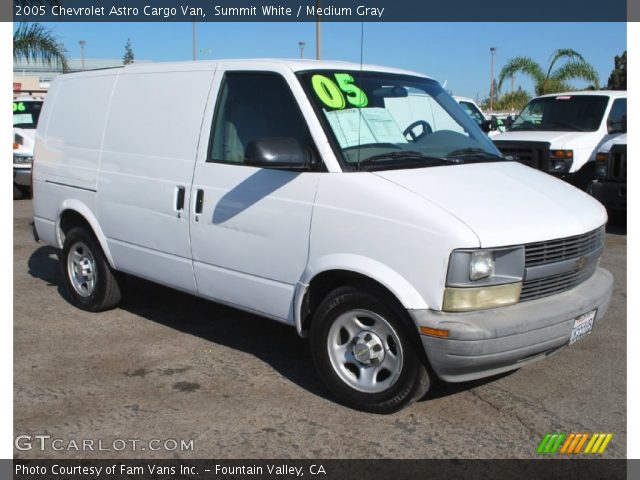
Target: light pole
317,31
82,44
301,45
193,39
493,56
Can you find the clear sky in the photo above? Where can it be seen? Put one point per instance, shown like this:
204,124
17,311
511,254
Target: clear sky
455,52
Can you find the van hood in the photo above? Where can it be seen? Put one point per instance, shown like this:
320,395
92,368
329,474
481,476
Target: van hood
558,140
504,203
606,146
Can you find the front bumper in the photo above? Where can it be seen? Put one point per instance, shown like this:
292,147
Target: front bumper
489,342
612,195
22,176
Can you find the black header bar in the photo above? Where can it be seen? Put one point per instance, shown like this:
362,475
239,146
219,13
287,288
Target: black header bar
328,10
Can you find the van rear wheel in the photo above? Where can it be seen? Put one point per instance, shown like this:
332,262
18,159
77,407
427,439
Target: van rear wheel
365,353
87,276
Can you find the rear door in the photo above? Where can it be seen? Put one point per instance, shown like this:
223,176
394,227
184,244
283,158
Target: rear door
250,226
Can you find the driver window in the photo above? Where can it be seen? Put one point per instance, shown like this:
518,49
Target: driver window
252,106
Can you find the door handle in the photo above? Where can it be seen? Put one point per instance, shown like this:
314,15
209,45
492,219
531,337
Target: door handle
180,199
197,208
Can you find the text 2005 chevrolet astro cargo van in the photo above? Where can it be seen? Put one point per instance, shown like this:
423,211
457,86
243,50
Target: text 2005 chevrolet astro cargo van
359,204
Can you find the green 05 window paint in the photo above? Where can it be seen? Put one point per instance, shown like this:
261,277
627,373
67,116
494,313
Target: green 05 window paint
331,95
19,107
327,91
355,95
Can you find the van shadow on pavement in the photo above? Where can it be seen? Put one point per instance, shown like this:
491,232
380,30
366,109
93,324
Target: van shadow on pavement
276,344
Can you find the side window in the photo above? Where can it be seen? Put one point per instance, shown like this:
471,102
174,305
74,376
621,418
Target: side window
252,106
617,121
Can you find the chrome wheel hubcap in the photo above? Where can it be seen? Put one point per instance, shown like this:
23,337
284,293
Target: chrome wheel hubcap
365,351
81,267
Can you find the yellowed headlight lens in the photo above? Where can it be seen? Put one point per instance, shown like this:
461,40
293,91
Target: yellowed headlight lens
480,298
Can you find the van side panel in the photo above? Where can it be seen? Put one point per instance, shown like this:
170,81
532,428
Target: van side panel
67,149
74,131
149,151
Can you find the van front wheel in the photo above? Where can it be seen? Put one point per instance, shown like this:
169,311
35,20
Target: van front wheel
87,276
364,352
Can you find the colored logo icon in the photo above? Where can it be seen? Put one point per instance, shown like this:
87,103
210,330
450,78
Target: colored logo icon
574,443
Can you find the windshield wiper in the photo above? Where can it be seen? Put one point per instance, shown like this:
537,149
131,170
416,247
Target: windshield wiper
477,153
405,159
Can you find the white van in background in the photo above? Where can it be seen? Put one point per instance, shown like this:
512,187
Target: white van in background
492,125
561,133
610,185
26,111
356,203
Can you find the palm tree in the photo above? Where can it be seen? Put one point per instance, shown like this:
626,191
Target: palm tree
35,42
553,80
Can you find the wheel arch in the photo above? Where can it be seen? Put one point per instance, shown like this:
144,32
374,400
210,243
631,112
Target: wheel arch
333,272
75,213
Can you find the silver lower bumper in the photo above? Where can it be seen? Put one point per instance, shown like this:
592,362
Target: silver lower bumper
489,342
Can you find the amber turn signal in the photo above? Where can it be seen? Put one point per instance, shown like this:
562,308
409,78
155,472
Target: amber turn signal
434,332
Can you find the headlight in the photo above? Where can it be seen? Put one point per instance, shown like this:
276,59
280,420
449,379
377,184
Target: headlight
483,278
601,170
482,265
560,161
22,160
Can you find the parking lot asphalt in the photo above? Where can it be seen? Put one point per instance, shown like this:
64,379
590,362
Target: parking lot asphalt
169,366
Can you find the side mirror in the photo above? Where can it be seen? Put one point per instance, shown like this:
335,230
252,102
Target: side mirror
277,152
485,126
494,123
508,122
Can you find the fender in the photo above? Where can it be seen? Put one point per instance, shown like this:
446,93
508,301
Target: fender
406,294
88,215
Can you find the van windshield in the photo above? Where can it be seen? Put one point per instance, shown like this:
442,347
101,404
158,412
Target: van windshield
567,113
472,111
26,113
380,121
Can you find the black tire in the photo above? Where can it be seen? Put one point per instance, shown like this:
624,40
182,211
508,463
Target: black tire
26,191
105,292
412,379
17,193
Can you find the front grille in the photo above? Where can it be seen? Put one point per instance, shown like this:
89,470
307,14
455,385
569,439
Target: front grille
552,251
532,154
543,287
617,168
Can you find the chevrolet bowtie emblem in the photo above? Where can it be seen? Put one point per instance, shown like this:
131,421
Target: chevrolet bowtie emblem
581,263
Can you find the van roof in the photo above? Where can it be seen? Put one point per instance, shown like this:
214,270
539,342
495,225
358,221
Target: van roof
296,65
607,93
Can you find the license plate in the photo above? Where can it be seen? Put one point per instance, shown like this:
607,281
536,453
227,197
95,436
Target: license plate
582,326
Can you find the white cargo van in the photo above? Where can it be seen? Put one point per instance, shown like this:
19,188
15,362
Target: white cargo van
358,204
26,111
561,133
